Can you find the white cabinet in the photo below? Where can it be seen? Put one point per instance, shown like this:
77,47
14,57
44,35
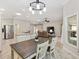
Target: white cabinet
25,37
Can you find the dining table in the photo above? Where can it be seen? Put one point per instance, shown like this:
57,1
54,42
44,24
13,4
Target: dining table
24,49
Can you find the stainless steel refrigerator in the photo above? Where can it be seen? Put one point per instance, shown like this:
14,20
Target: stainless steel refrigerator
8,31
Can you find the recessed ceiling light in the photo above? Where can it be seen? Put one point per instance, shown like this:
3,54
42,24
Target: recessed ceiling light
18,13
2,9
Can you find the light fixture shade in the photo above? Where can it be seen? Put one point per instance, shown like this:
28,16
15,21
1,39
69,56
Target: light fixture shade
33,12
44,9
30,8
38,6
40,12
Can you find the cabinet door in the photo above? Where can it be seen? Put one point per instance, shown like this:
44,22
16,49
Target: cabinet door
16,56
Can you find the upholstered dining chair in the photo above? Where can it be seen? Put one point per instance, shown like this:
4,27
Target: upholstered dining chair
53,46
41,51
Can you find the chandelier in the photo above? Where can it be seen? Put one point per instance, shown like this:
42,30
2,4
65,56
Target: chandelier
37,6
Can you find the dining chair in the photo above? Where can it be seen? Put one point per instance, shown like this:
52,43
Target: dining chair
41,51
53,46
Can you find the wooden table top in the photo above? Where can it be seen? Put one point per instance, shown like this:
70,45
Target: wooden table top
27,48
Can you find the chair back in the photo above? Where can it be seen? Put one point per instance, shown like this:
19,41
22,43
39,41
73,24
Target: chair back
41,50
53,43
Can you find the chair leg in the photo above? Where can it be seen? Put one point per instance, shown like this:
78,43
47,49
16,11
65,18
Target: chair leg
52,55
55,55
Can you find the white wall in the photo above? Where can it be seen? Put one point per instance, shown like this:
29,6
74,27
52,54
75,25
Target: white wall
39,27
21,26
0,32
69,9
7,21
56,24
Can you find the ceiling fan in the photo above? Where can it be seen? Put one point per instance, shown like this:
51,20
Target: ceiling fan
46,19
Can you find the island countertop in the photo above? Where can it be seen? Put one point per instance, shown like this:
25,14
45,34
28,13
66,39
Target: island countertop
27,48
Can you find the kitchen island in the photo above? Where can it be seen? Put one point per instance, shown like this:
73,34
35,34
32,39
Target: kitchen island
24,49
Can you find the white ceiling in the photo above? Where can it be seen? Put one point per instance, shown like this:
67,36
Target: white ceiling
54,9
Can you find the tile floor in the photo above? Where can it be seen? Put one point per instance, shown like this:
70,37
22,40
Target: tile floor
60,53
